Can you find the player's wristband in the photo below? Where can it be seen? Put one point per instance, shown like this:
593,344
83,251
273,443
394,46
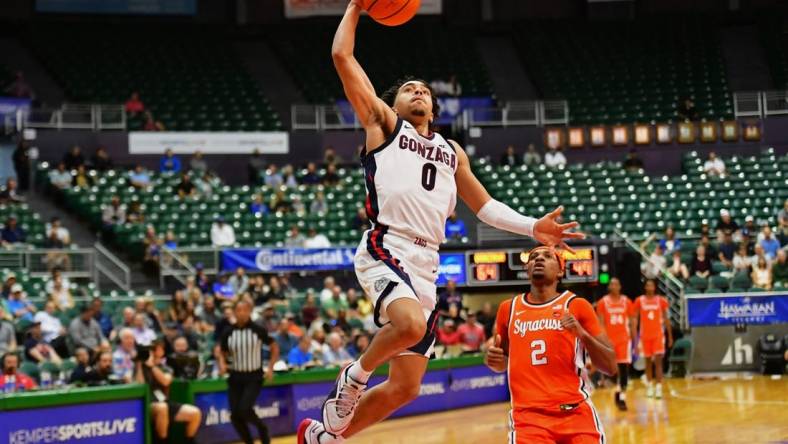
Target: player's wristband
501,216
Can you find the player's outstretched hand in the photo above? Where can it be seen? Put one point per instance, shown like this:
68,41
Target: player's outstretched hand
549,232
494,357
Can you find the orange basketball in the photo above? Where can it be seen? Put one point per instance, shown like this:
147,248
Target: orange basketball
391,12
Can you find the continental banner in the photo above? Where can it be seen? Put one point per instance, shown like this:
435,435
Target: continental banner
310,8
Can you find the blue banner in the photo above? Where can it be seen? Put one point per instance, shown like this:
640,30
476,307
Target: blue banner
117,422
451,107
755,309
452,266
289,259
152,7
274,406
10,105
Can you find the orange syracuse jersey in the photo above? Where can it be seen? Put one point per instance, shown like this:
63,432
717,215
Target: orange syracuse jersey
616,315
545,359
650,310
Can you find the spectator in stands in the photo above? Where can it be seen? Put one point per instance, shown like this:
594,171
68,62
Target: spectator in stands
12,233
330,178
170,241
359,307
279,202
139,177
361,221
670,243
309,310
294,238
100,160
5,290
104,320
239,281
55,230
336,355
509,157
742,260
701,263
112,215
207,183
10,193
79,374
169,163
654,264
782,215
330,157
455,228
725,223
450,87
73,159
532,156
143,334
177,309
258,207
749,225
186,187
298,206
486,317
554,158
255,167
727,248
61,295
222,234
38,350
272,177
197,163
762,274
316,240
286,340
60,178
448,334
714,166
7,334
328,289
780,269
450,296
310,177
19,88
318,205
222,289
52,329
288,176
208,314
158,376
335,303
151,124
758,253
274,293
123,356
22,165
11,368
19,306
677,268
201,279
301,356
686,110
633,162
769,243
471,334
134,105
86,332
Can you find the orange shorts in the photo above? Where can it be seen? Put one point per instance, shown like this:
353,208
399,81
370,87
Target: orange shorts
623,351
653,346
579,426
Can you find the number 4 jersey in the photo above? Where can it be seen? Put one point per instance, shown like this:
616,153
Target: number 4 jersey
410,185
545,360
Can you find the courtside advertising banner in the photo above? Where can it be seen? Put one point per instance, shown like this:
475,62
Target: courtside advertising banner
274,406
309,8
157,142
117,422
288,259
731,309
452,266
475,386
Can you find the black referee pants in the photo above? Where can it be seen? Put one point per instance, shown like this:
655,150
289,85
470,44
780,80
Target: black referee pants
243,390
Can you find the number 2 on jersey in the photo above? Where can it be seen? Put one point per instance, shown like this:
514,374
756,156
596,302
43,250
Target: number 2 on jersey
538,348
428,175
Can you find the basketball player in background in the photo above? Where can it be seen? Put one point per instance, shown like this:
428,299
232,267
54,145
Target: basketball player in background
542,338
651,310
413,176
615,312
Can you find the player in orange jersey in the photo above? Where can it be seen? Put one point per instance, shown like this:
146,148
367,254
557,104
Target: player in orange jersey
542,338
652,312
616,315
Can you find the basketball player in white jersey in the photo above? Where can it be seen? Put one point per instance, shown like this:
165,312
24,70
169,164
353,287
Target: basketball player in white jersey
413,177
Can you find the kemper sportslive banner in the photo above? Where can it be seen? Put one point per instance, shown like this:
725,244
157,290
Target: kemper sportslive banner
117,422
732,309
274,406
152,142
309,8
451,107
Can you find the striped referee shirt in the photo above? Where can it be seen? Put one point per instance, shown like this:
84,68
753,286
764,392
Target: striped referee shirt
245,346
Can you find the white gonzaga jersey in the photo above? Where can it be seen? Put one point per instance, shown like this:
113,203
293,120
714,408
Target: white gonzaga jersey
410,188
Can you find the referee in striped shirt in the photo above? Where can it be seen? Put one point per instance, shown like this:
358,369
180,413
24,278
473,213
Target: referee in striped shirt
242,348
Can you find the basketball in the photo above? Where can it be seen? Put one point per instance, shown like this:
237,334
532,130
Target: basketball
392,12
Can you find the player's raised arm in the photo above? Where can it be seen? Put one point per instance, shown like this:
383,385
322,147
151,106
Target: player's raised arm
371,110
499,215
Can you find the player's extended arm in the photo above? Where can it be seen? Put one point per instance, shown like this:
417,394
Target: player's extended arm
499,215
370,109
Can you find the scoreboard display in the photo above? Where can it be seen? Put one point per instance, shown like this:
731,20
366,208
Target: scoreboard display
507,266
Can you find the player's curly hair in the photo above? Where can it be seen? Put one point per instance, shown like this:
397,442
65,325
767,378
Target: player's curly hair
390,95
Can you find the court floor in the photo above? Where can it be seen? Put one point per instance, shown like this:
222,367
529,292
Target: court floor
739,410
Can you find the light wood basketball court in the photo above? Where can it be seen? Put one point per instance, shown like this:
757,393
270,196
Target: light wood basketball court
741,410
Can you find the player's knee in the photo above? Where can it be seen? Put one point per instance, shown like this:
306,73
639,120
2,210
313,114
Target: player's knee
404,392
159,409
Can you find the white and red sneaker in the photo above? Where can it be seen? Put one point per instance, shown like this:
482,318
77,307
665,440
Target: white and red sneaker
313,432
340,406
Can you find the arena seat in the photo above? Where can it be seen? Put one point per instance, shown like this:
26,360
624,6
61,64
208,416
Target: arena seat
381,55
190,80
27,219
628,71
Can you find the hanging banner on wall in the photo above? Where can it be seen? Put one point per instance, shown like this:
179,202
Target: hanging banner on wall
309,8
288,259
148,7
732,309
269,142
